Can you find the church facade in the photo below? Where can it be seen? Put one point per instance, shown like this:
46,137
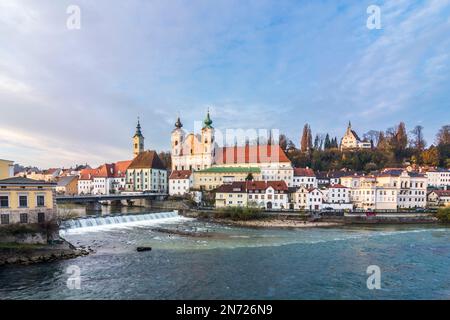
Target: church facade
193,151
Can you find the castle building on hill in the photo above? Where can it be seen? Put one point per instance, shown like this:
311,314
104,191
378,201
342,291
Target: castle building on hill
351,140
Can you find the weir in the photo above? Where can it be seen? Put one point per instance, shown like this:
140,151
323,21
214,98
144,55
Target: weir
115,220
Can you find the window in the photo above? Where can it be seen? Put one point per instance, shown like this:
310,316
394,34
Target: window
40,201
23,201
4,202
41,217
4,219
23,218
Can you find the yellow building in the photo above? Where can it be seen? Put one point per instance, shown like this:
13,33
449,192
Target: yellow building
232,195
6,169
25,200
212,178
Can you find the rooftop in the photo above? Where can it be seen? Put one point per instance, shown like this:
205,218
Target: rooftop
24,181
250,154
180,174
231,170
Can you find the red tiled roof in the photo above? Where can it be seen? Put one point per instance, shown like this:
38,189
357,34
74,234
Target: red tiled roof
107,170
303,172
235,187
442,193
250,154
263,185
120,168
180,174
146,160
87,174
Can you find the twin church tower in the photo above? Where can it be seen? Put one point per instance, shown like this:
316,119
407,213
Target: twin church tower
189,151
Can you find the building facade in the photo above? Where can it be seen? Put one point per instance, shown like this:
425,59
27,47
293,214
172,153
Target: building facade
24,201
67,185
437,198
211,178
6,169
438,178
193,151
304,177
308,199
147,173
270,195
180,182
351,140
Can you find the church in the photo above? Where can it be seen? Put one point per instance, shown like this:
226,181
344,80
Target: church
193,151
198,152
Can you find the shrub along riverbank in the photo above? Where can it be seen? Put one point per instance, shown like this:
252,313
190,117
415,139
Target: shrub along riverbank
443,215
234,213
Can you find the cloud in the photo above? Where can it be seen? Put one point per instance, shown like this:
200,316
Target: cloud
73,96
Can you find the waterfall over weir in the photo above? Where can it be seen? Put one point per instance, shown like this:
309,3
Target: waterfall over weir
109,222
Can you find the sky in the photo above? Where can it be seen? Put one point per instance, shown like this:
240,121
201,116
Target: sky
71,96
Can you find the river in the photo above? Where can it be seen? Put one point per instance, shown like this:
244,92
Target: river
240,263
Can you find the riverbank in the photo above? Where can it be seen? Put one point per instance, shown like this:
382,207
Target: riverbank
25,254
278,223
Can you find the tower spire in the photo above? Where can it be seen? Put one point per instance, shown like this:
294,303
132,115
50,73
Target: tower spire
207,122
138,129
178,124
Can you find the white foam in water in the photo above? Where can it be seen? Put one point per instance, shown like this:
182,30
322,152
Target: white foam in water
83,225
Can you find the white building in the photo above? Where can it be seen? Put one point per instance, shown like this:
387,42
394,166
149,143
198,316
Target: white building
270,195
180,182
390,190
337,197
109,178
147,173
352,141
438,178
304,177
308,199
411,187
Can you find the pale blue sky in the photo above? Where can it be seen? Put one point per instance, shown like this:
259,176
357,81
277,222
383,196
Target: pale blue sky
71,97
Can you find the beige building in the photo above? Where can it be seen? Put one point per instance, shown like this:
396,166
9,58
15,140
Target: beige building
352,141
6,169
67,185
211,178
24,200
439,198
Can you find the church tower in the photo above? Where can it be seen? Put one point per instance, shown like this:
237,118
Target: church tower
177,138
138,140
208,140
